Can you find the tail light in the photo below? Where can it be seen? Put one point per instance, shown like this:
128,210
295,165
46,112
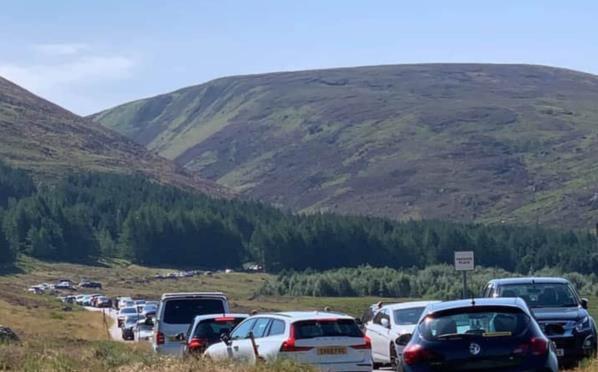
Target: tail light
289,346
416,353
539,346
367,344
159,338
196,344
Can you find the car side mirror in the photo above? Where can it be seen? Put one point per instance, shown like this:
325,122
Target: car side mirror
181,337
225,337
584,303
404,339
385,323
149,322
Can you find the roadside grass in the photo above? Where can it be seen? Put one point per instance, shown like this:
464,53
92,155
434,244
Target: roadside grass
58,337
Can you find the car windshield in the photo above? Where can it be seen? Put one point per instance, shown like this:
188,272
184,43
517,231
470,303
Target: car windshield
212,329
183,311
407,316
541,294
128,310
326,328
475,321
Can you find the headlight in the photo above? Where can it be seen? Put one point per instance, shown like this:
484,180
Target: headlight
583,324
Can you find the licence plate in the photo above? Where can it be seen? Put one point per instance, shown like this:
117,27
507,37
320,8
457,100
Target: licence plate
332,350
560,352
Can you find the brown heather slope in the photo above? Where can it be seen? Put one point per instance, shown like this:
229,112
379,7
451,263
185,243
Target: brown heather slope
50,141
469,142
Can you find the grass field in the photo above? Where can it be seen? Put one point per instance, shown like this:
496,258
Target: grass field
55,337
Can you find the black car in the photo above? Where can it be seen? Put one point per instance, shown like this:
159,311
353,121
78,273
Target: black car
208,329
129,327
90,284
496,334
558,308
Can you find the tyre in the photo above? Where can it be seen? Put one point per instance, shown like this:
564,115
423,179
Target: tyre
394,360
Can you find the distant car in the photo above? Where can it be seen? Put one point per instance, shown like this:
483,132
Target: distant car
390,322
129,327
66,285
327,341
103,302
560,311
206,330
123,314
176,313
149,310
90,284
498,334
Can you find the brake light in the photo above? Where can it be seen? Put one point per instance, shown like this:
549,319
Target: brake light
367,344
289,346
539,346
224,319
413,354
159,338
196,344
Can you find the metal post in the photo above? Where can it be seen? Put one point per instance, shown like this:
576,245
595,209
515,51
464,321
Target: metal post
465,284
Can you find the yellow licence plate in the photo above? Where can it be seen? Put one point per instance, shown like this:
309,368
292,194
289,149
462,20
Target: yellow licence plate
332,350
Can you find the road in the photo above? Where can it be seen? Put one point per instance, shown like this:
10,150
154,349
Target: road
114,331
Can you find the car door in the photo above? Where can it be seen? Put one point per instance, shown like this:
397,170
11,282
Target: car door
379,336
240,347
259,330
270,343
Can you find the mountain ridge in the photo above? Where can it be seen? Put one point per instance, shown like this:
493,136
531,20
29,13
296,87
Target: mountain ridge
471,142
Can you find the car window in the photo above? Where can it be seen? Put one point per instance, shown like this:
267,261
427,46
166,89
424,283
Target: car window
541,294
471,322
408,316
183,311
277,328
212,329
242,330
326,328
260,326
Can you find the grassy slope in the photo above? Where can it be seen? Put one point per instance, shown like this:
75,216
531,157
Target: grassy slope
48,140
470,142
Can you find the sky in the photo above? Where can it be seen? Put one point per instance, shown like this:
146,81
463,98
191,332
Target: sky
92,55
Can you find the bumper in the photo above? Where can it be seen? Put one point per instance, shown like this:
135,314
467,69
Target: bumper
170,349
575,347
344,367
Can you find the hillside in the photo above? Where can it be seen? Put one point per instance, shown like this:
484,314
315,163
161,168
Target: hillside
513,143
49,141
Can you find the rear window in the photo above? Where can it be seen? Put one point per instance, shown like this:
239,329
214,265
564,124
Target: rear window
183,311
128,310
213,328
471,322
326,328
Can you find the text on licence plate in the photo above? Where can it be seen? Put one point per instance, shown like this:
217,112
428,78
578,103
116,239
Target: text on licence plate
332,350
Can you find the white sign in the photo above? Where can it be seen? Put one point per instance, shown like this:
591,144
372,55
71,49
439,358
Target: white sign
464,261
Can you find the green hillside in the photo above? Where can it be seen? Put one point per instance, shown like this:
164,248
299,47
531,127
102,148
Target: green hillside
49,141
513,143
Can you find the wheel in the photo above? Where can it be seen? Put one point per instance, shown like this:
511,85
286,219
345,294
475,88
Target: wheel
394,362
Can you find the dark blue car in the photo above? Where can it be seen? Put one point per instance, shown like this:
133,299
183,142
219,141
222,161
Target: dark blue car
558,308
495,334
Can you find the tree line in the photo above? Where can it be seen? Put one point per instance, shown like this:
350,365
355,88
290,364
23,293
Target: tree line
88,216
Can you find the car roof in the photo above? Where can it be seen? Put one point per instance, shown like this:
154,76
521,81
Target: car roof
226,315
530,280
408,305
306,315
469,303
192,294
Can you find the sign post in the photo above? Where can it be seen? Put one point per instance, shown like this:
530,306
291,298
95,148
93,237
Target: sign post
464,262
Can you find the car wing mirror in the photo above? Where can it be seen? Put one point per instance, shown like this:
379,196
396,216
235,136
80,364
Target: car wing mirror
584,303
180,337
404,339
225,337
149,322
385,323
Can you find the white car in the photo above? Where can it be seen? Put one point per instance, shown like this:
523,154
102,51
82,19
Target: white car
389,322
123,314
328,341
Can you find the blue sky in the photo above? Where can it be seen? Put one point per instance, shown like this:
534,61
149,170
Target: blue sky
91,55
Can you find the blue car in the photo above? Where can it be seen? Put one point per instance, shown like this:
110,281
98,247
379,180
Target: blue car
558,308
496,334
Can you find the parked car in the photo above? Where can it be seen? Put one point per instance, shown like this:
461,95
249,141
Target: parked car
103,302
390,322
123,314
149,310
65,285
328,341
129,327
176,313
206,330
560,311
498,334
90,284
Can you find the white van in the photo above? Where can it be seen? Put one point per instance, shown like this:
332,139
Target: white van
176,313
